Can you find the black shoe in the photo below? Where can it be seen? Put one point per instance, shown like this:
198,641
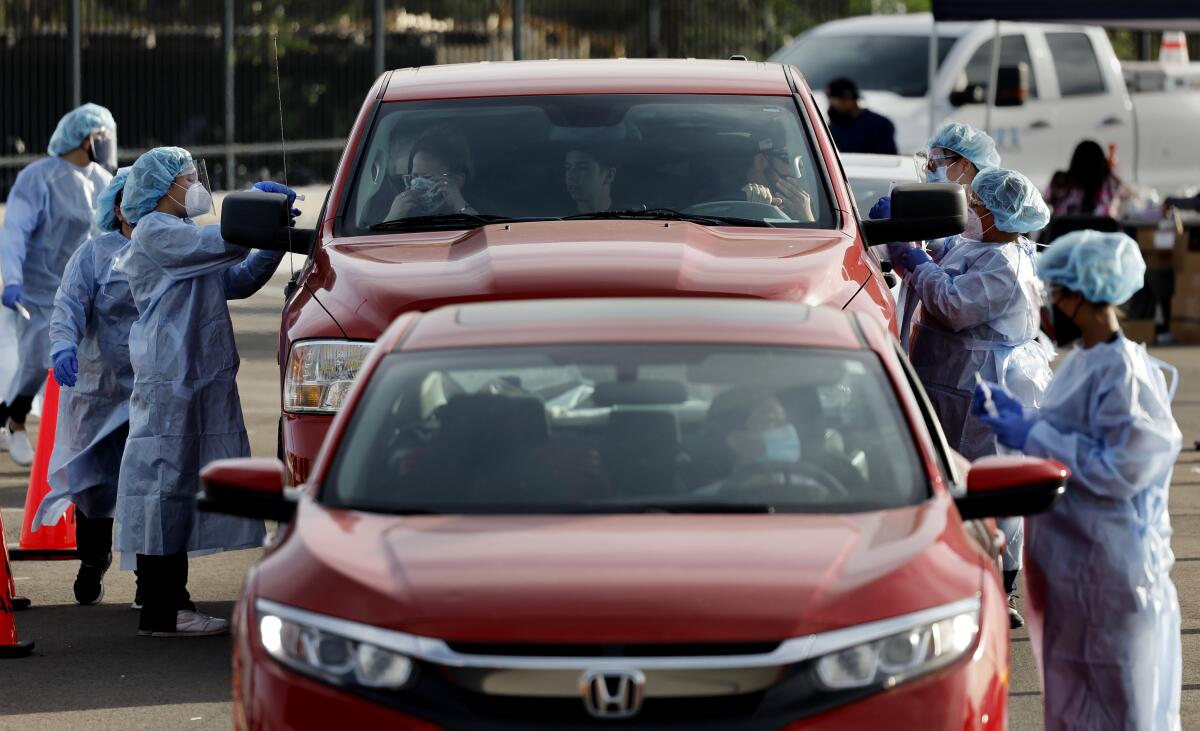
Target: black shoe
89,583
1015,620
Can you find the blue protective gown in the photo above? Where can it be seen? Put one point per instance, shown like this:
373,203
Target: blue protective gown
1103,613
184,410
93,312
979,313
48,215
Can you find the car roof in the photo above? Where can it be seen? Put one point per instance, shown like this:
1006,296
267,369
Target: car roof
587,76
654,319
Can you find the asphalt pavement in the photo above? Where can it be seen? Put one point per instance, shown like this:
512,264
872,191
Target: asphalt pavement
90,669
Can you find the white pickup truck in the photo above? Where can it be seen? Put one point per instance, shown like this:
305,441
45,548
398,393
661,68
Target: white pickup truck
1075,91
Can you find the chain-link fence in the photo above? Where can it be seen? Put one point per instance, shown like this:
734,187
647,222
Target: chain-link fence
201,73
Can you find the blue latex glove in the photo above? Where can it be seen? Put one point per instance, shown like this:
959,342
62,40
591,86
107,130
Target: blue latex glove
11,296
1005,402
1012,430
270,186
1010,424
912,258
882,208
66,367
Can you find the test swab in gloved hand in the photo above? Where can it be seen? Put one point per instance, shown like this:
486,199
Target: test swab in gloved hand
988,405
22,311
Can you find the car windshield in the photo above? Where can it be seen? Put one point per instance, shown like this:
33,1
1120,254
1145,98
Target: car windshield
627,428
895,63
708,159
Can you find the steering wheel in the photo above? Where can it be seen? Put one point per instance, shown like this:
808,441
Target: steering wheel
755,482
739,209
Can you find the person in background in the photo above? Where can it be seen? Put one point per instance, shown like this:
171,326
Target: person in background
1104,614
854,128
49,214
589,179
184,411
89,346
1089,187
980,315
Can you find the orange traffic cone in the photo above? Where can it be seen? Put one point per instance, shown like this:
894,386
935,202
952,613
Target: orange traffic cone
18,603
49,543
10,644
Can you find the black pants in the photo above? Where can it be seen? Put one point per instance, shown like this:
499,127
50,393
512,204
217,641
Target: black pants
17,410
93,536
163,584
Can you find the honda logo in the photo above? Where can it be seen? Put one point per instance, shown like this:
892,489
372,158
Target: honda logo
612,693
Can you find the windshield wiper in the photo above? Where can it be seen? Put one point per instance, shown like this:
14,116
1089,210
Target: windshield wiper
451,220
666,214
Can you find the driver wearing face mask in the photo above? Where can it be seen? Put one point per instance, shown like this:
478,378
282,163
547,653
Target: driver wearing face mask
979,313
751,440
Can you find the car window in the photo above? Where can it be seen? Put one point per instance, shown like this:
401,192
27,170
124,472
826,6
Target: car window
627,428
712,159
897,64
867,191
1013,51
1075,64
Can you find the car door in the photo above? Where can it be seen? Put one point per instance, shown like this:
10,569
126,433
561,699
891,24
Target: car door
1090,103
1025,135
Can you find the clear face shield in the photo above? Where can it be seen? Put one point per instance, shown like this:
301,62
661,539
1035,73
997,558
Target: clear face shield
103,150
197,192
933,166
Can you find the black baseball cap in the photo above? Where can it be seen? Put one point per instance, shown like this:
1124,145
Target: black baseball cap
842,89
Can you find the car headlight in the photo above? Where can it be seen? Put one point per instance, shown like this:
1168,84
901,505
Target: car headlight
901,656
334,650
320,374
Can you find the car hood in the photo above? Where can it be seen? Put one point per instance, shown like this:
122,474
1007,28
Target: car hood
622,579
366,282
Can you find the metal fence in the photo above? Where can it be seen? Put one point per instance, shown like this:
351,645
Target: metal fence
201,73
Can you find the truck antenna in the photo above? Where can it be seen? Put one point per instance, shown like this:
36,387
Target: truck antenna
283,144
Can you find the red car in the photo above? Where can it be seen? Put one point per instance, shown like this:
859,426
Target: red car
601,178
666,513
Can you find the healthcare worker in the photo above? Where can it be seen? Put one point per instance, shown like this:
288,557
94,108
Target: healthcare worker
954,154
1104,615
980,302
89,346
49,215
184,411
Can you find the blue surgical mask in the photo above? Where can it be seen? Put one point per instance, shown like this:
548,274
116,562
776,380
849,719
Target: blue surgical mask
781,444
937,176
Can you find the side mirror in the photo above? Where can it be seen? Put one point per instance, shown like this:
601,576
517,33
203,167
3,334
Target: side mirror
247,488
258,220
920,211
1011,486
969,94
1012,85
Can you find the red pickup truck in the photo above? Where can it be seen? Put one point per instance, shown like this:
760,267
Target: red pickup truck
546,179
